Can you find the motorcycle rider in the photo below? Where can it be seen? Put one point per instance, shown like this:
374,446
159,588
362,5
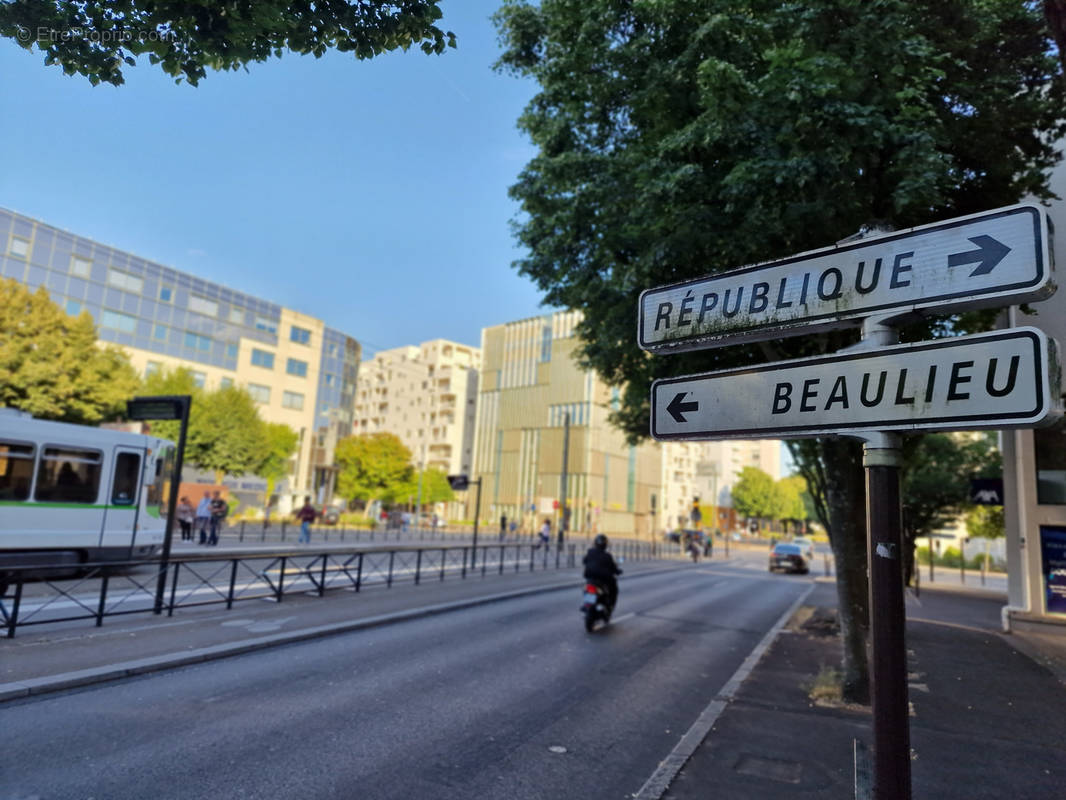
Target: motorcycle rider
600,568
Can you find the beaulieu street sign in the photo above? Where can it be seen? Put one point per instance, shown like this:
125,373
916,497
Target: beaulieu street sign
999,379
988,259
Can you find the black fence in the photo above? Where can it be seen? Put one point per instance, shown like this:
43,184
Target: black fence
42,595
284,530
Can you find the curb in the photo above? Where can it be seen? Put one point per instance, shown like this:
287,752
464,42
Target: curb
87,677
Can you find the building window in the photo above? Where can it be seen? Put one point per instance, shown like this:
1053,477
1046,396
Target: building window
18,247
151,368
236,316
197,342
16,470
166,294
80,267
225,383
1050,466
259,393
68,476
73,308
299,335
119,322
198,378
159,332
296,367
201,305
293,400
125,281
261,358
329,379
265,324
231,351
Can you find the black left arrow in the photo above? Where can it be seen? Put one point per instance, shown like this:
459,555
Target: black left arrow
677,408
989,252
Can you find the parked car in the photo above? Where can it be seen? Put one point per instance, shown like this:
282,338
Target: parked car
329,515
789,557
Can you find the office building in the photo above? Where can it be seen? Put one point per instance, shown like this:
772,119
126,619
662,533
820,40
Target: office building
300,371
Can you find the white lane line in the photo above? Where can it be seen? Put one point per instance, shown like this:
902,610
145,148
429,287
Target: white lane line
655,787
624,617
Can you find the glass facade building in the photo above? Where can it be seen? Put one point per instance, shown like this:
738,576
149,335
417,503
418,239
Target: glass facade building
166,317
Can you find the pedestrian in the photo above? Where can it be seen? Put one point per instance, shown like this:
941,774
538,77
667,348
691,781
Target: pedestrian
203,516
503,526
545,534
219,510
306,515
186,514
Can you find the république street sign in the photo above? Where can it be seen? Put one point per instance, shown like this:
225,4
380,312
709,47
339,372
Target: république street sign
1000,379
988,259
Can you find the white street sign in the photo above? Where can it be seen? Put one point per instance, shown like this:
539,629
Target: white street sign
1000,379
988,259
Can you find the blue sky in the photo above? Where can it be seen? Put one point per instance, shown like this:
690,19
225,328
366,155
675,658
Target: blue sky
370,194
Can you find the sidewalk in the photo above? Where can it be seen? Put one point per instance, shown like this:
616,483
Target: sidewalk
988,720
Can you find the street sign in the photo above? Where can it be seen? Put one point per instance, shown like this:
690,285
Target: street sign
156,408
999,379
459,483
988,259
986,491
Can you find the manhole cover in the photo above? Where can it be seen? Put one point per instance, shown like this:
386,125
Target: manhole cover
771,768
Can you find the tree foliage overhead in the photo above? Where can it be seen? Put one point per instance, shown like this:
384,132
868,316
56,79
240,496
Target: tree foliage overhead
685,137
754,494
680,138
186,38
50,364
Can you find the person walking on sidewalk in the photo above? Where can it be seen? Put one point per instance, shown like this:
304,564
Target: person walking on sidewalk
186,514
306,515
203,516
219,511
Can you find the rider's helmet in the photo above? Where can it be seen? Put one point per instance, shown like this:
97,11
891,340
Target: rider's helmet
600,542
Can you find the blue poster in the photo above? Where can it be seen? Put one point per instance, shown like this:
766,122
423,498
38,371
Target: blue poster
1053,556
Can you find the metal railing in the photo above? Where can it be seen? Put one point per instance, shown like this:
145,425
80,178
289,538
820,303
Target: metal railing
41,595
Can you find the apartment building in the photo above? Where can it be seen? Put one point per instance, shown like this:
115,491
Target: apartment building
709,470
300,371
535,405
426,395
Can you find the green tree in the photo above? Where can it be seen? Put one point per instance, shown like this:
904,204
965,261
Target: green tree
98,39
935,483
373,466
282,442
684,137
226,434
754,494
51,364
986,522
790,504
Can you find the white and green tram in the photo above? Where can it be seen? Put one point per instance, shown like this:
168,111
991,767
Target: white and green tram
71,494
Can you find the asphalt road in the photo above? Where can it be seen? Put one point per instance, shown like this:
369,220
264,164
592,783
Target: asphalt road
511,699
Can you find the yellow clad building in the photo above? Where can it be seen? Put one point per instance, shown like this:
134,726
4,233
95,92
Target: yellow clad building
534,404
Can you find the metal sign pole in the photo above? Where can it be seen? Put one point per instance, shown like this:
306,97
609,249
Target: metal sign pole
888,659
477,513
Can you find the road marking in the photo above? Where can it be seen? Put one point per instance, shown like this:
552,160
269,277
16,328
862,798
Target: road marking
625,617
655,787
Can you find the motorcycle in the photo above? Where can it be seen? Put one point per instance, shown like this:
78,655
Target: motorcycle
595,606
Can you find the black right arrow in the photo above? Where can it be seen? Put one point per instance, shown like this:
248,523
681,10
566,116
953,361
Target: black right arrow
676,407
990,252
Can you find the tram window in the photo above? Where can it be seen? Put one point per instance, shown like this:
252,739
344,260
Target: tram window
66,475
124,486
16,470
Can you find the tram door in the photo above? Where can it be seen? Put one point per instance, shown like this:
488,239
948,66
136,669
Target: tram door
120,517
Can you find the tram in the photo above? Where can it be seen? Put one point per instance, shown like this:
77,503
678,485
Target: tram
71,494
